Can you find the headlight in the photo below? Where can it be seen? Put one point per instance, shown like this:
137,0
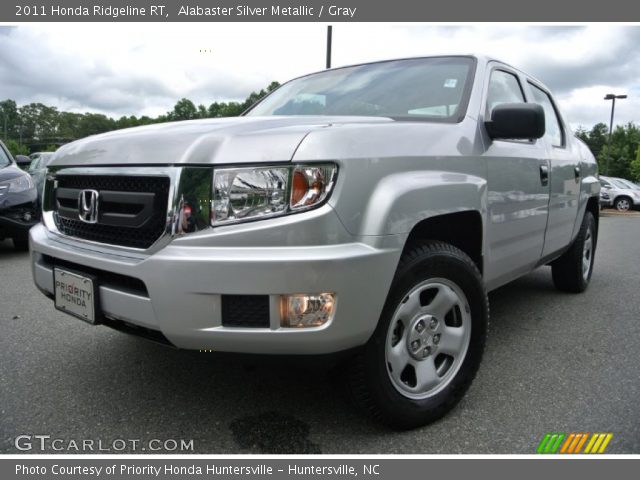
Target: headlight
241,194
311,185
18,184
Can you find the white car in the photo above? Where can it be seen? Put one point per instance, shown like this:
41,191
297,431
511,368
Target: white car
619,193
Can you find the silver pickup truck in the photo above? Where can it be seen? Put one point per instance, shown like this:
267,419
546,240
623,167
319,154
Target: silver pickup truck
365,209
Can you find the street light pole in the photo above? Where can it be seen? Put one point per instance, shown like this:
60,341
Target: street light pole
329,32
612,97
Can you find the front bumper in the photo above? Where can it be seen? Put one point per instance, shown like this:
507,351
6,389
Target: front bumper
17,220
186,279
606,201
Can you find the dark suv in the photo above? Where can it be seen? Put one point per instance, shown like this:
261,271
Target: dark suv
18,201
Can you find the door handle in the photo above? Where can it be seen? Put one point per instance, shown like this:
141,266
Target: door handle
544,174
576,172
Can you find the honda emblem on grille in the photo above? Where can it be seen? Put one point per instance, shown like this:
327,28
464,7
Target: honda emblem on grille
88,206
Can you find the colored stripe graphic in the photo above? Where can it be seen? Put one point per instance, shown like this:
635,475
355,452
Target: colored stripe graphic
598,443
567,442
550,443
581,443
572,443
604,445
593,439
556,445
543,443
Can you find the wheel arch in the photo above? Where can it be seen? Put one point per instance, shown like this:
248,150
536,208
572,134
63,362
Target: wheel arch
593,206
463,230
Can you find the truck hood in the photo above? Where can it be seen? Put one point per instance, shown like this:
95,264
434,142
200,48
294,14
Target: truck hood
211,141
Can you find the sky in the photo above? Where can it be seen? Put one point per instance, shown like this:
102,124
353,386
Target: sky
143,69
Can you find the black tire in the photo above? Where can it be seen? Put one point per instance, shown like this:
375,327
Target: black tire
623,204
21,242
369,378
568,271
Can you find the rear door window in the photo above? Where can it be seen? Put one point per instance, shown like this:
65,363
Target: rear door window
553,127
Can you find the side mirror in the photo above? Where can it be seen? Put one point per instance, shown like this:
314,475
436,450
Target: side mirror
23,161
516,121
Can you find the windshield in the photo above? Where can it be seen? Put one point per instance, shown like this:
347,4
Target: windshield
34,164
424,88
4,158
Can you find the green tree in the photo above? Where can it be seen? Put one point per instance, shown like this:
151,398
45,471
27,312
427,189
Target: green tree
9,119
214,110
582,134
16,148
183,110
233,109
145,120
625,140
635,166
37,121
94,123
38,127
254,97
127,122
68,125
596,138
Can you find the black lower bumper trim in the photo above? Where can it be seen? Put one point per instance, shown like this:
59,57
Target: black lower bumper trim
8,223
146,333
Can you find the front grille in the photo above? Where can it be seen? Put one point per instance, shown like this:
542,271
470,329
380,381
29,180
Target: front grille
250,311
131,209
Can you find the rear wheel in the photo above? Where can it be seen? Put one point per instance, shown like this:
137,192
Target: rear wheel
572,271
429,341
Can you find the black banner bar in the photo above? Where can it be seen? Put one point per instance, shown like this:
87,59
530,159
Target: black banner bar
305,468
329,11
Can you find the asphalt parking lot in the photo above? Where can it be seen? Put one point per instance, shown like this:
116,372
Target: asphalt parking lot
554,363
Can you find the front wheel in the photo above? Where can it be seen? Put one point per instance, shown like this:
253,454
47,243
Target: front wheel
429,341
622,204
572,271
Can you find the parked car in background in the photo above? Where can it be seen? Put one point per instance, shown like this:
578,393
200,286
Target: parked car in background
23,161
619,193
18,201
38,170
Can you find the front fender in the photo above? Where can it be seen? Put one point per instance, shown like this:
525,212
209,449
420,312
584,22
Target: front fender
401,200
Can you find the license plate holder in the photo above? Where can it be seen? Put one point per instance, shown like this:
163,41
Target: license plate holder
76,293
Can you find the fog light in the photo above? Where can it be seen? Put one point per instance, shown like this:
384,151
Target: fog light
305,310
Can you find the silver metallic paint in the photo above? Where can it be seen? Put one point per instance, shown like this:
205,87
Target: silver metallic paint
392,175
